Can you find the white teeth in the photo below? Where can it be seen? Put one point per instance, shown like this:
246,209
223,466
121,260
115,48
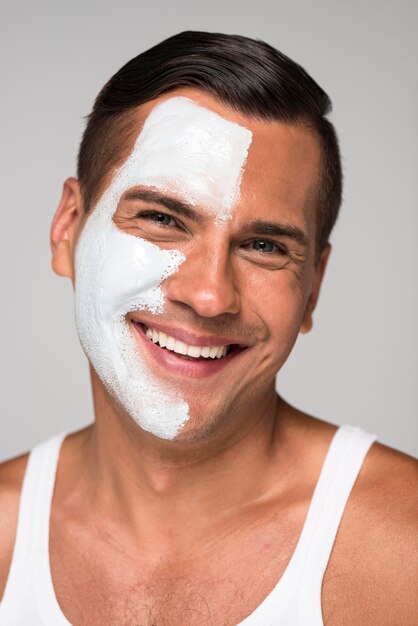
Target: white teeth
213,352
194,351
170,343
162,339
174,345
180,347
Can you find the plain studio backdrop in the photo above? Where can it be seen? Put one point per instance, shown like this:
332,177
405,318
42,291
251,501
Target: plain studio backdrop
359,364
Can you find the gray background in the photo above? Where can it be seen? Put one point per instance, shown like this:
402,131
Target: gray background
359,365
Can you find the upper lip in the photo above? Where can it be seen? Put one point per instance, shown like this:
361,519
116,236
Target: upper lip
190,338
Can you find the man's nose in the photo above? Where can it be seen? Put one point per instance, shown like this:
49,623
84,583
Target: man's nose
206,282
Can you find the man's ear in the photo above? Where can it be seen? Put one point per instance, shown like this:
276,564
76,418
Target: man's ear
307,321
64,228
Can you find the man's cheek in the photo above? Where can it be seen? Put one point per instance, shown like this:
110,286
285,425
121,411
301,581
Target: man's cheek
118,273
132,273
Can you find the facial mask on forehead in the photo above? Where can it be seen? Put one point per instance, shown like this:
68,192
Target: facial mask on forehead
193,153
196,153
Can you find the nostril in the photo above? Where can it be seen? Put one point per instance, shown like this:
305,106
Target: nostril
207,295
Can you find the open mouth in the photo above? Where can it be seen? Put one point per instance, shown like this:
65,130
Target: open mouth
184,351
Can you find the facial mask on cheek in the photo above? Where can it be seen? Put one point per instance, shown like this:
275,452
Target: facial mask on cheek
117,273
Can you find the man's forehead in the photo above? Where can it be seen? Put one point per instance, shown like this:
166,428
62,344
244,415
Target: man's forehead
190,146
189,149
274,144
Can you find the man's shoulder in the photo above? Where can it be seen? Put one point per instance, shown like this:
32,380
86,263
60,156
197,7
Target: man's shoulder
384,459
12,473
388,486
11,478
375,556
390,499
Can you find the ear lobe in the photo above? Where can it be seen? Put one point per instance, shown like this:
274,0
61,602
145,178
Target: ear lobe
64,228
307,320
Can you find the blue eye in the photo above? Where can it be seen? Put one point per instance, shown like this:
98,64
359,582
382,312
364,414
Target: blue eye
269,247
161,218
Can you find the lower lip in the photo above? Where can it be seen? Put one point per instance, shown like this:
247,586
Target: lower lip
177,365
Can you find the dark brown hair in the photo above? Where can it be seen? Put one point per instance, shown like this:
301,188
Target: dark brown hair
250,76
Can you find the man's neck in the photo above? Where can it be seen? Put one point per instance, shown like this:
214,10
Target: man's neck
169,492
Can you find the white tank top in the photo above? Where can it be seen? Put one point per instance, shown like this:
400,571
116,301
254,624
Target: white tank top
29,598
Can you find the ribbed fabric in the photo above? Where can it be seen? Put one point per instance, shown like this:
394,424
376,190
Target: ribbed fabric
29,598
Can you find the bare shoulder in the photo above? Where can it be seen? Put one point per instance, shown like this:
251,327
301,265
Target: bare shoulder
11,479
390,469
375,557
388,495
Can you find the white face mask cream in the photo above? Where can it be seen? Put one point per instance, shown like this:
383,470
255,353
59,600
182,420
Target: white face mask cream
194,154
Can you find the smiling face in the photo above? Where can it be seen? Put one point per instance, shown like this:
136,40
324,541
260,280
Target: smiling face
195,271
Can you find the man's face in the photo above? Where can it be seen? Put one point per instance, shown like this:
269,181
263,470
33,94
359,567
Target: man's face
203,240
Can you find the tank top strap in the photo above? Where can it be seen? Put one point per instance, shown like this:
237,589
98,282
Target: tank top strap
36,497
339,472
30,574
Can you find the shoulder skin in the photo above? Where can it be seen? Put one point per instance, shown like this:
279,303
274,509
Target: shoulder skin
373,571
11,479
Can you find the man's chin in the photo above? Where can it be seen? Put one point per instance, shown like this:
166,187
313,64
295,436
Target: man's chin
202,430
153,404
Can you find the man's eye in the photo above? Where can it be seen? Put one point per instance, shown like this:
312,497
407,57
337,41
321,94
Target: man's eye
269,247
159,218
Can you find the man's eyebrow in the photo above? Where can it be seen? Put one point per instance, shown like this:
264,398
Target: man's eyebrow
173,204
259,227
275,229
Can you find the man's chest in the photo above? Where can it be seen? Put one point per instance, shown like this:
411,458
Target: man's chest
221,583
99,584
196,596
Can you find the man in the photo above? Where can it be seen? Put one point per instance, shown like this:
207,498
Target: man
197,236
